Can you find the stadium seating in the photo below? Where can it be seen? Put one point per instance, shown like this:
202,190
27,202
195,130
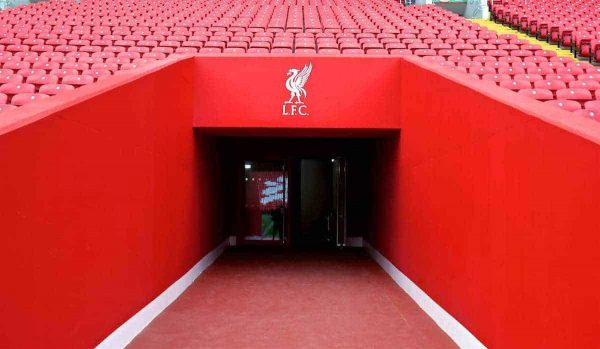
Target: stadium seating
574,24
47,48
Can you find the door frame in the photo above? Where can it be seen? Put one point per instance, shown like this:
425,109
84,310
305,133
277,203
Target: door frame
241,233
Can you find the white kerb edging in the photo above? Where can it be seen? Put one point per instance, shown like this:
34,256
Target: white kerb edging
454,329
132,327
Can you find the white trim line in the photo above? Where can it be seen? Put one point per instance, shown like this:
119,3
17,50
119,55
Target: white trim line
454,329
132,327
354,241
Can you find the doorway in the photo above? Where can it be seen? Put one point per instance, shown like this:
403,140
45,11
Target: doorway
320,202
265,208
312,193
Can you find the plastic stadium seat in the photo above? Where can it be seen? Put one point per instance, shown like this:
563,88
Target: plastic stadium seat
552,85
377,51
479,70
11,78
497,78
539,94
515,85
307,51
589,85
355,51
286,50
16,65
187,50
565,104
13,89
593,70
587,76
587,113
28,72
63,72
42,79
54,89
561,59
562,77
96,73
528,77
593,105
574,94
25,98
3,98
77,80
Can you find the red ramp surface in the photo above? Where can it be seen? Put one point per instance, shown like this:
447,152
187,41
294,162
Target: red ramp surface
293,299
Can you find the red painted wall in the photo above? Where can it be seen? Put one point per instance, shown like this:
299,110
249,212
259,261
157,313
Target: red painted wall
104,204
492,211
107,196
343,93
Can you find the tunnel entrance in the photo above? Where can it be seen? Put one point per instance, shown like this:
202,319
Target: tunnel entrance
300,192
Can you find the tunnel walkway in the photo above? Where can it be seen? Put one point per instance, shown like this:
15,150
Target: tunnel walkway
269,298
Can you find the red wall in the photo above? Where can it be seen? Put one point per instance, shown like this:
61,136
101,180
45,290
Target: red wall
350,94
493,211
107,195
104,204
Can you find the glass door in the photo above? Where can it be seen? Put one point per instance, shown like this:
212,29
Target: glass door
266,202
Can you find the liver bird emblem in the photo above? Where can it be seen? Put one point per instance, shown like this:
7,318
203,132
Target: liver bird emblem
296,81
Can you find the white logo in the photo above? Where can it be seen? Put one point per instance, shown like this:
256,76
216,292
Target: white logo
295,84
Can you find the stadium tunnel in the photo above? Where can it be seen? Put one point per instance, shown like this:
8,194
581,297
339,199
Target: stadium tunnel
117,197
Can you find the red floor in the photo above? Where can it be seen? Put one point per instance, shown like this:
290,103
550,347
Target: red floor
292,299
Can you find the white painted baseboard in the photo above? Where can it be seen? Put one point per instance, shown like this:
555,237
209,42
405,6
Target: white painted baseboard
354,241
132,327
454,329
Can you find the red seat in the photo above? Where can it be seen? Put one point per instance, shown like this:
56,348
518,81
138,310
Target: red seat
63,72
587,76
96,73
28,72
13,89
515,85
574,94
528,77
25,98
586,113
42,79
3,98
187,50
481,70
539,94
565,104
593,105
11,78
54,89
589,85
497,78
562,77
552,85
78,80
358,51
286,50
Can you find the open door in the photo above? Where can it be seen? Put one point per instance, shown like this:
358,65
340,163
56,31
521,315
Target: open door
265,210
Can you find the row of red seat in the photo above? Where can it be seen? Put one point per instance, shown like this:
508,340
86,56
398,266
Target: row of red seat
47,48
560,81
573,24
